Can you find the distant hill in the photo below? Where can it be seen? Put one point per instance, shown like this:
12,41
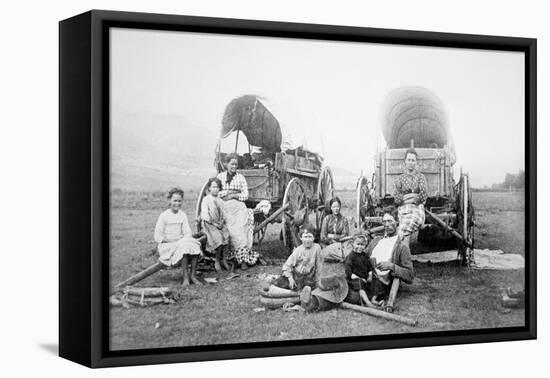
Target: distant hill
154,152
151,152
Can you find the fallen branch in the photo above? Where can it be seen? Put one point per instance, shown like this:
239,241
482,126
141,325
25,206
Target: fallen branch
141,275
379,313
148,291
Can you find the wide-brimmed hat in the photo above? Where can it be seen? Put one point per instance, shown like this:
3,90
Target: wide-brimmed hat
333,288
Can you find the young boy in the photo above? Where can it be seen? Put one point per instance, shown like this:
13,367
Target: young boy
299,270
357,267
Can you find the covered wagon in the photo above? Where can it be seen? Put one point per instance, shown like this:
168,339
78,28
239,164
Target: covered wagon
293,180
415,117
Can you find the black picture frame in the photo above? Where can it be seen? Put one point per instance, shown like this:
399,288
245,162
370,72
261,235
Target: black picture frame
84,186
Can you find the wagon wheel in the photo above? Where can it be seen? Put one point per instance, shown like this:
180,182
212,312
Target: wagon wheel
325,192
466,221
296,214
361,201
201,196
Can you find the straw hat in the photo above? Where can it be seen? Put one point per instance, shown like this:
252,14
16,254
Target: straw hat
333,288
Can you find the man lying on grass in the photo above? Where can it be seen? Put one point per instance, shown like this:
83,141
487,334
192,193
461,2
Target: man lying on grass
299,270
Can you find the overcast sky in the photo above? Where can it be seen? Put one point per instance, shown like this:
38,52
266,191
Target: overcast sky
327,94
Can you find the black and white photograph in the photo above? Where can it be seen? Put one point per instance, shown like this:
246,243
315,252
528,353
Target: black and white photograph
268,189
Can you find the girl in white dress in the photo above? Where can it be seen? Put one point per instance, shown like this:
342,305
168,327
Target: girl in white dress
175,238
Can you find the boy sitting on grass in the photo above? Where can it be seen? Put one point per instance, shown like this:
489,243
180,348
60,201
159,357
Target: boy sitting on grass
357,267
299,270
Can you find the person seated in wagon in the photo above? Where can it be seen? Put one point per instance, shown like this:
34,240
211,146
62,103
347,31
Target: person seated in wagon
391,258
175,239
410,194
239,219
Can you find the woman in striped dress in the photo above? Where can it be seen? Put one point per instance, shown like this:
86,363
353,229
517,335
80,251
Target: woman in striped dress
410,194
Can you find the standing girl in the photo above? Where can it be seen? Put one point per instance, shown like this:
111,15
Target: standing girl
175,238
213,223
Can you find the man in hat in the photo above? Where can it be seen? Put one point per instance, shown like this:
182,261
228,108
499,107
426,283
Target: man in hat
330,292
391,258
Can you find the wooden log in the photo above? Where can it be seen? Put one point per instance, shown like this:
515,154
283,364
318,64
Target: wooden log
141,275
270,218
149,302
448,228
273,303
393,295
277,292
379,313
148,291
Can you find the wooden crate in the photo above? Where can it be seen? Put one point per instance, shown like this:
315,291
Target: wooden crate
262,184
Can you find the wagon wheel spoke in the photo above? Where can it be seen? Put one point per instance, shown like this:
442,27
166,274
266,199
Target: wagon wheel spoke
296,214
325,192
201,196
361,200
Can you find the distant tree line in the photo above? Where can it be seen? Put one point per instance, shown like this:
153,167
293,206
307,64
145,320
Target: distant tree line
511,182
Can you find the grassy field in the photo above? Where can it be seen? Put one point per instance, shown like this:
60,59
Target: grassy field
443,296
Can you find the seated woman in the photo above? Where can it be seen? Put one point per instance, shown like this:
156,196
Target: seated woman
335,226
175,238
239,219
390,258
410,194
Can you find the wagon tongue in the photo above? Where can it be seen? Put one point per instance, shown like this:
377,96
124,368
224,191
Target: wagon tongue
249,115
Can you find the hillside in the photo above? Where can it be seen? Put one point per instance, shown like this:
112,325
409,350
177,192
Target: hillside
151,152
154,152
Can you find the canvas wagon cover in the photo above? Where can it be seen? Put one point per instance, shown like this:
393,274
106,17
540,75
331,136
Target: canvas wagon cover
414,113
249,115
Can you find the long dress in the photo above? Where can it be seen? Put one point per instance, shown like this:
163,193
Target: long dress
174,237
411,215
239,219
212,212
338,225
